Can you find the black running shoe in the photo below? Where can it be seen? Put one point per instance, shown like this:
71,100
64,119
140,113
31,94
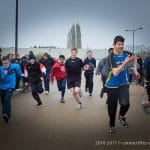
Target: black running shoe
111,130
123,122
90,94
39,105
5,117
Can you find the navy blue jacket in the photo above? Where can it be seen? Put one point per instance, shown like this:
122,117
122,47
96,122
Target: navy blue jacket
92,64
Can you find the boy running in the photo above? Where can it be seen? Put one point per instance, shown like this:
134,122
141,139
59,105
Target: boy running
8,73
58,71
74,67
90,63
117,83
35,72
48,62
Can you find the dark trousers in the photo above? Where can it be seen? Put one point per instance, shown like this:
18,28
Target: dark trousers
103,78
36,88
89,81
46,81
61,84
6,96
17,82
115,94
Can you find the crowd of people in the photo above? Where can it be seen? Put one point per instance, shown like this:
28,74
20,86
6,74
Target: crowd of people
118,70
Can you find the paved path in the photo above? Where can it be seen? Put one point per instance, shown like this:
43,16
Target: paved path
58,126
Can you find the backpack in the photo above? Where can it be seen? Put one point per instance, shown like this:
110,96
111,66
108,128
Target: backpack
146,68
105,66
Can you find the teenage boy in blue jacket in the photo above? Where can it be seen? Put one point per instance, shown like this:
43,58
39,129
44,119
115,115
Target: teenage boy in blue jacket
7,85
117,83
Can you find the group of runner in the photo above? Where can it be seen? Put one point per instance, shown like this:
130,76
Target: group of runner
113,69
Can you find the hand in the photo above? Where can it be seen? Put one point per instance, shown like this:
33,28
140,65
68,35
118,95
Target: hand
63,69
86,67
26,83
23,75
137,75
42,78
129,58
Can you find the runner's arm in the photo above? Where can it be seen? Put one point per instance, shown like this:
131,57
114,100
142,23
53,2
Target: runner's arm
18,70
116,70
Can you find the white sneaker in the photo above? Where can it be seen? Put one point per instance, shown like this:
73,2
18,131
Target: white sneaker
18,90
79,106
46,92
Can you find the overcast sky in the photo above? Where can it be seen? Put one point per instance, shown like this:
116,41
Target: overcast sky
47,22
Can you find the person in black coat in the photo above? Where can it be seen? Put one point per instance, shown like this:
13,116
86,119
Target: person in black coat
48,62
34,72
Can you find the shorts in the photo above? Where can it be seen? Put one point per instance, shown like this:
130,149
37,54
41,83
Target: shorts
72,83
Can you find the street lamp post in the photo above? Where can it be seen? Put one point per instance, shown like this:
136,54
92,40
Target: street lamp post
16,29
133,32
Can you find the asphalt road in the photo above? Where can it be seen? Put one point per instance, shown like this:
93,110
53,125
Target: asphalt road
57,126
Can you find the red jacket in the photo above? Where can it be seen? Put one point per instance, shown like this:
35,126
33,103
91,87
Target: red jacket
58,71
